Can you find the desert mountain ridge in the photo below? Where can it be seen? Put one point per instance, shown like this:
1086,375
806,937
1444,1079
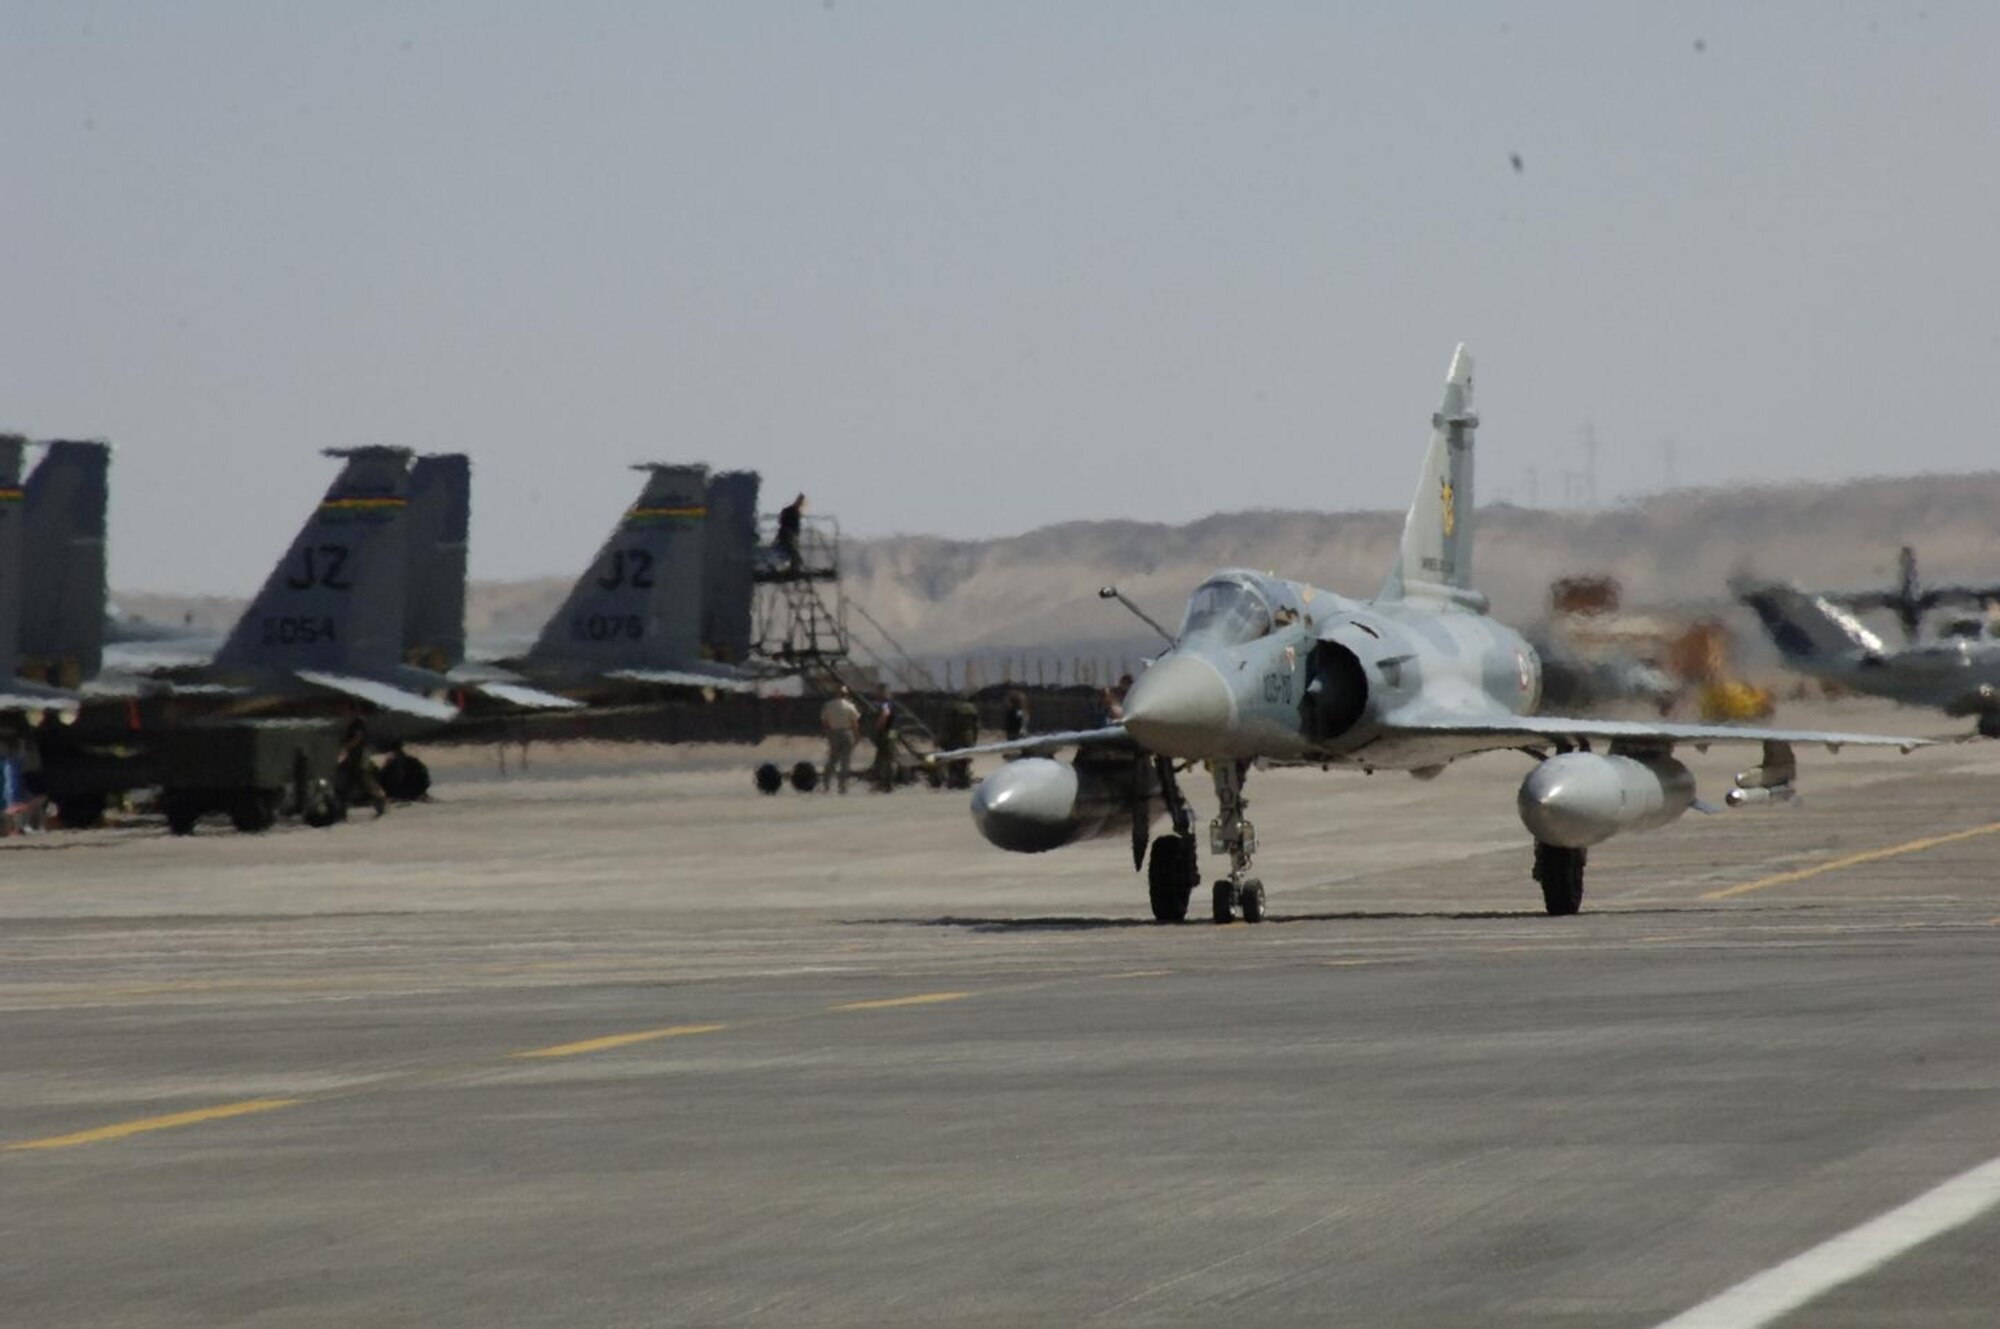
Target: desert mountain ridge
1038,591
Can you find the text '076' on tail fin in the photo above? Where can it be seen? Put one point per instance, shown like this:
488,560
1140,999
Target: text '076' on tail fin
334,603
1435,561
434,587
639,604
62,598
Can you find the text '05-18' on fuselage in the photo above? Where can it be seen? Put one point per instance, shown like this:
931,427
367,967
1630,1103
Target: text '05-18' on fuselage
1268,671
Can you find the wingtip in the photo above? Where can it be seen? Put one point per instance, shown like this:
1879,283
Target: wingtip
1461,366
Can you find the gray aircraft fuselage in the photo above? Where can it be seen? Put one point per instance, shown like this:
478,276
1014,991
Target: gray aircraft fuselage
1270,697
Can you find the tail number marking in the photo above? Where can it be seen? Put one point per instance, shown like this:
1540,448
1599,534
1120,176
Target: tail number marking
607,627
288,630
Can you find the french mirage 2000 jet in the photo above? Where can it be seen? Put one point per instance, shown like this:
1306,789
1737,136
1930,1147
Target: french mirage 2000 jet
1266,671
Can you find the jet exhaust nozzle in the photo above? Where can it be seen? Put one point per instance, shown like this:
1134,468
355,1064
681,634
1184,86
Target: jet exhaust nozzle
1582,798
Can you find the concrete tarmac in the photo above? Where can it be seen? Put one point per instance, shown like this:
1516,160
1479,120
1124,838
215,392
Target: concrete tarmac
618,1041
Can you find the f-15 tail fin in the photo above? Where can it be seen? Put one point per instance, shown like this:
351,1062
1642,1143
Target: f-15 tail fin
639,604
62,530
334,603
434,588
1808,629
12,446
1435,563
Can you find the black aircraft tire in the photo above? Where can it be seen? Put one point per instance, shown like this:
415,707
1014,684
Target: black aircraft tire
804,776
182,812
1252,897
1560,871
81,811
253,810
1170,877
769,778
1989,724
1223,901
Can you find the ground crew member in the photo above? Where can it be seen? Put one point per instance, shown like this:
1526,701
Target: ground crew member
358,782
790,518
882,727
840,721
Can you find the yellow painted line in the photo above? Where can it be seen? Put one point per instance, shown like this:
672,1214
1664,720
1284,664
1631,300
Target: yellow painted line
610,1041
1854,860
921,999
1162,973
1349,964
166,1123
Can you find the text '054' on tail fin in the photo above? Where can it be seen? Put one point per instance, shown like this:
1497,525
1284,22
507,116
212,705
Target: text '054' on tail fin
334,603
639,604
1435,561
62,609
434,586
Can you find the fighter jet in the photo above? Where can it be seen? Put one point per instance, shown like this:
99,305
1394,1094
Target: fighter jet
1269,671
1957,671
41,670
649,607
326,629
1909,599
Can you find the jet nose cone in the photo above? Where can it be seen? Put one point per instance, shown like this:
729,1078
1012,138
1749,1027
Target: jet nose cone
1180,707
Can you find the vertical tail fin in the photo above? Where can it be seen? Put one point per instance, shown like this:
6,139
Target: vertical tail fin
335,601
434,590
639,604
11,545
1435,562
62,620
1808,630
729,564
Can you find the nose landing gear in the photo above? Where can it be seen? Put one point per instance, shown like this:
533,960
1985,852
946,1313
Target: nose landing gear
1231,833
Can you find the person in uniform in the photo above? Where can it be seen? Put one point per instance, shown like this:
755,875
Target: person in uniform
840,721
882,728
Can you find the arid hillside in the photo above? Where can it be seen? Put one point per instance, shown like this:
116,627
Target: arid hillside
1037,592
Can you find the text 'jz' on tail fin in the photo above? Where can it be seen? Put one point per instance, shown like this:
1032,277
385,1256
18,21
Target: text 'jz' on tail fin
1435,562
638,606
334,603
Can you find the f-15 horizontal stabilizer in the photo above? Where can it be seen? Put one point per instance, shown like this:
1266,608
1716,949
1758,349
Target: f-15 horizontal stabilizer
380,694
523,696
1435,562
685,678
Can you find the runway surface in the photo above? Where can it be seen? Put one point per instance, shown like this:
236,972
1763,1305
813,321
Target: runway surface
618,1041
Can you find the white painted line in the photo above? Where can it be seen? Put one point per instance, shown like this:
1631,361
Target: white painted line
1785,1287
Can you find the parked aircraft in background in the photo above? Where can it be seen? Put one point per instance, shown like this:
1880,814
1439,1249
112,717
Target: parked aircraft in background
1909,599
1270,671
326,629
644,615
1957,671
51,546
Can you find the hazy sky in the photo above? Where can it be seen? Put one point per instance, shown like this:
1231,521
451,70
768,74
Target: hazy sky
971,269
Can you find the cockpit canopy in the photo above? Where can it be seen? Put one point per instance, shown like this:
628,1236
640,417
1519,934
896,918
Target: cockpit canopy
1225,611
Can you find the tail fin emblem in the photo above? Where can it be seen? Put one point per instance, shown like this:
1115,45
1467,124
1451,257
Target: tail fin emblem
1447,501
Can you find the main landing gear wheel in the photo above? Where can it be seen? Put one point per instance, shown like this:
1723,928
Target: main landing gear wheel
1171,876
1560,871
1989,724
